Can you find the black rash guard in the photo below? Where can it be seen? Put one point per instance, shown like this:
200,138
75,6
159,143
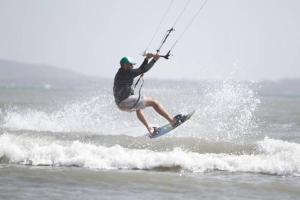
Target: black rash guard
124,80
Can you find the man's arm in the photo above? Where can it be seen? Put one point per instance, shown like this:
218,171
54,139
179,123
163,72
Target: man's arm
145,66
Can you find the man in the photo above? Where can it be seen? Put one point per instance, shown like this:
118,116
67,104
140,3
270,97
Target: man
125,98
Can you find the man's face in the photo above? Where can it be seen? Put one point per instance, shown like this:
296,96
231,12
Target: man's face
128,66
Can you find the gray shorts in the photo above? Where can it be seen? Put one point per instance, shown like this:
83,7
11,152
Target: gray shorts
130,104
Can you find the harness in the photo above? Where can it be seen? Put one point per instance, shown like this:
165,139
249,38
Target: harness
140,89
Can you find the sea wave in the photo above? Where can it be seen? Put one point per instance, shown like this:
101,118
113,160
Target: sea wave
274,157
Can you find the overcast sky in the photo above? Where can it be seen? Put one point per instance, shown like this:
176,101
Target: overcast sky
252,39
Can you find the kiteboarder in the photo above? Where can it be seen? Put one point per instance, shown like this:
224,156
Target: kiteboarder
124,95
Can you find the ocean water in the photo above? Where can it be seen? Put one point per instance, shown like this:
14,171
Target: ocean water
74,143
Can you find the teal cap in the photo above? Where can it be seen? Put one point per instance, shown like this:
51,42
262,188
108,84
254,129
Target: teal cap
126,60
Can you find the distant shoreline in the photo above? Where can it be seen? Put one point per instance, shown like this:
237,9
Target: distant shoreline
25,75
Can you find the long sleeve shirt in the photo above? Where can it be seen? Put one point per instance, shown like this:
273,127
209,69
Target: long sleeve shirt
124,80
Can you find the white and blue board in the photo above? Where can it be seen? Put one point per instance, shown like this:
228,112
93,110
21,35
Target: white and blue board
168,127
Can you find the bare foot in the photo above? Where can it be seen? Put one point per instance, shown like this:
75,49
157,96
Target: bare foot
174,120
177,120
151,130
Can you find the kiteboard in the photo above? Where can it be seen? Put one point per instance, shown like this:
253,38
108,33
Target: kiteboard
168,127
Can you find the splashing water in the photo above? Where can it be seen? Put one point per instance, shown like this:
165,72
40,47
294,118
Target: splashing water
83,116
228,110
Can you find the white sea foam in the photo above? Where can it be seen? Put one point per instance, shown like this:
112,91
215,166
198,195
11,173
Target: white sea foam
272,157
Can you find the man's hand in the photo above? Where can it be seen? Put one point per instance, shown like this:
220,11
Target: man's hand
156,57
149,55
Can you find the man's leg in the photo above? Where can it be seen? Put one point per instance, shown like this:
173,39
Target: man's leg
141,117
159,109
